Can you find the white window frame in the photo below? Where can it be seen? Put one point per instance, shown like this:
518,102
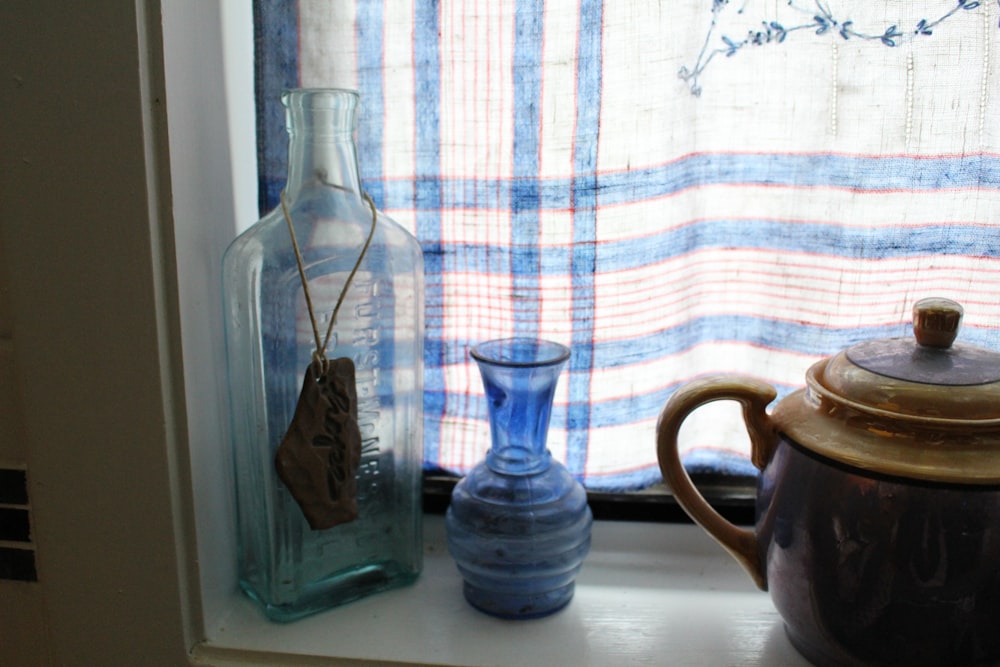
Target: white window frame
637,575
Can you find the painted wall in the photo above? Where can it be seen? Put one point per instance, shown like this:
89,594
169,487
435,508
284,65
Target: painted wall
90,359
23,628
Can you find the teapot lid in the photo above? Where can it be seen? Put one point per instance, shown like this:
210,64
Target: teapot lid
932,357
925,408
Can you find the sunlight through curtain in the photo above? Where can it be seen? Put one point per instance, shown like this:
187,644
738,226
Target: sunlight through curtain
674,189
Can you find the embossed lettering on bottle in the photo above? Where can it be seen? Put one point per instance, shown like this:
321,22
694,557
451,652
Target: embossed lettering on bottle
365,341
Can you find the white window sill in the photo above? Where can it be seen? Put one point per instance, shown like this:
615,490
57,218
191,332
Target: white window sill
648,594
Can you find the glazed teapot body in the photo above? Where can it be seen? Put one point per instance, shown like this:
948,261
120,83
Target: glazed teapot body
877,532
869,569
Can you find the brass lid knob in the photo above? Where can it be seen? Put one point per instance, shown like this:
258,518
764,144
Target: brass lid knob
936,321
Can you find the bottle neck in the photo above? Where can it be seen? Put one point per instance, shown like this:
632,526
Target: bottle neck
321,161
519,402
321,148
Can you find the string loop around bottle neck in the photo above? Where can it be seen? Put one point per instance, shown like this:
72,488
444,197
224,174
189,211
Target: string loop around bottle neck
319,354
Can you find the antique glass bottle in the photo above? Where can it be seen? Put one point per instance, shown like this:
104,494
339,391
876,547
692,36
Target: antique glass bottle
518,525
290,567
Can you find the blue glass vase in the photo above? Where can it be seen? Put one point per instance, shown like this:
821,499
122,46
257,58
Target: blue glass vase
518,525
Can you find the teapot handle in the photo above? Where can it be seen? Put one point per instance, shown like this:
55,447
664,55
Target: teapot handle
754,397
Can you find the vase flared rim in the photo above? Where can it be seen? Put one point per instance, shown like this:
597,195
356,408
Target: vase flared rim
548,353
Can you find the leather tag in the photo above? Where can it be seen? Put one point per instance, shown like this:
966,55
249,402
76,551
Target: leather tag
319,456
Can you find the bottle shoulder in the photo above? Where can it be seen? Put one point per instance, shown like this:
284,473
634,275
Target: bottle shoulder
268,238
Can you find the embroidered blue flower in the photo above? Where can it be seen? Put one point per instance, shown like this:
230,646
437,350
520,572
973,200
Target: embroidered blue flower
819,19
890,33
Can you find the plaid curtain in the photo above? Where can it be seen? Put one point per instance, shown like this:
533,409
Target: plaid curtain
673,189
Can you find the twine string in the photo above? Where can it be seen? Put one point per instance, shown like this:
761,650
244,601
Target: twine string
319,354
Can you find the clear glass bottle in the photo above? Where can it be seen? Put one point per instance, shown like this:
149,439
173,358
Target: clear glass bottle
290,567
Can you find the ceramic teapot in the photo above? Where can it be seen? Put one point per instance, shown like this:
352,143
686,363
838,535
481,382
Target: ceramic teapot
878,498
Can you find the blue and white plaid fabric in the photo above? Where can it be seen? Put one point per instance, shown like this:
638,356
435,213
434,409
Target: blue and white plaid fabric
673,189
